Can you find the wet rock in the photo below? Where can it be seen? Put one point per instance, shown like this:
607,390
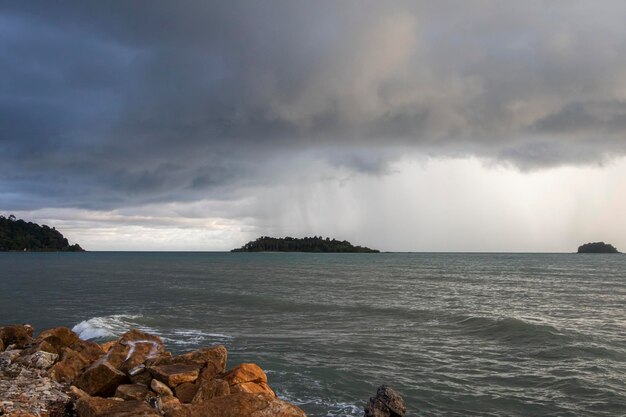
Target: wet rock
386,403
101,379
248,378
19,335
210,389
245,405
160,388
175,374
186,391
132,392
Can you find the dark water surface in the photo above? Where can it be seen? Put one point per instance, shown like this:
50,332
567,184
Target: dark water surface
457,334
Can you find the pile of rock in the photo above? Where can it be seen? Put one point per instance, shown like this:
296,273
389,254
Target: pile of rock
57,374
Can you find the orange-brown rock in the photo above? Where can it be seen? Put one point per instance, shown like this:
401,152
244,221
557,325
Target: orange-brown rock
106,346
76,392
101,379
1,345
58,337
248,378
175,374
132,392
171,407
104,407
210,389
143,377
134,348
161,388
211,361
186,391
69,367
245,405
89,350
18,334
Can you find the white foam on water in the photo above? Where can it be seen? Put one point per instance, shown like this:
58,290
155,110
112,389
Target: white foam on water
104,327
333,409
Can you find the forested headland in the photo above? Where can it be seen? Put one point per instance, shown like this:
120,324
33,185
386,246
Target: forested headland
19,235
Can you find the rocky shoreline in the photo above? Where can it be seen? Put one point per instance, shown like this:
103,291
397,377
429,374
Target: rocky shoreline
56,374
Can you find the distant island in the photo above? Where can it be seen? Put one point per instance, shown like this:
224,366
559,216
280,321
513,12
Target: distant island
597,247
18,235
307,244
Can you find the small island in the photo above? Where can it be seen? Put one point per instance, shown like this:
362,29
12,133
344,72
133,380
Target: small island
307,244
21,236
597,247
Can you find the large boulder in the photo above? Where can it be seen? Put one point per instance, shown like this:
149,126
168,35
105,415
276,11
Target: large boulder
133,349
20,335
211,361
69,367
132,392
210,389
386,403
58,337
249,378
101,379
104,407
175,374
186,391
245,405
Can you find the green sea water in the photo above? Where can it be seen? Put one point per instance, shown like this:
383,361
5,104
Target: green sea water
456,334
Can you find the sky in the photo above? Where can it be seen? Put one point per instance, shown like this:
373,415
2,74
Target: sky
401,125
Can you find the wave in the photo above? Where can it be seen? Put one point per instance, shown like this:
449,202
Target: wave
113,326
331,408
512,329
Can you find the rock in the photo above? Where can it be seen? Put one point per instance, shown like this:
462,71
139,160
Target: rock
171,407
58,337
186,391
245,405
248,377
39,360
144,377
160,388
105,407
134,348
88,350
9,356
386,403
19,335
211,361
1,346
175,374
132,392
76,392
108,345
210,389
101,379
69,367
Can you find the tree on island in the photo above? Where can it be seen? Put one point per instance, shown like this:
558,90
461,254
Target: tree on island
307,244
597,247
18,235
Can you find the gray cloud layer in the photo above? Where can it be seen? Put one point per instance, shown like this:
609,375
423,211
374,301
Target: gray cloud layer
112,104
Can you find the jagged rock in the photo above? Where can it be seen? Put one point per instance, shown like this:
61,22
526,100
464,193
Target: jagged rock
19,335
248,378
76,392
58,337
132,392
386,403
210,389
69,367
144,377
39,360
108,345
9,356
245,405
175,374
106,407
160,388
134,348
186,391
211,361
101,379
89,350
172,407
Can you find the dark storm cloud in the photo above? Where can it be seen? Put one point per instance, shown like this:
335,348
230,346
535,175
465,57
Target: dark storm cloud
110,104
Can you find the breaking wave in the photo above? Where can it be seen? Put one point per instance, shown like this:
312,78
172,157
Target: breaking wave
113,326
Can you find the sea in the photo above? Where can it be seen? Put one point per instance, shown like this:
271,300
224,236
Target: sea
457,334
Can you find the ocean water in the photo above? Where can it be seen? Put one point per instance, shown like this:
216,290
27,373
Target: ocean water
456,334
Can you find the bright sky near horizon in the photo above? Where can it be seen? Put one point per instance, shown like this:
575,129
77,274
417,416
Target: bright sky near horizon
405,125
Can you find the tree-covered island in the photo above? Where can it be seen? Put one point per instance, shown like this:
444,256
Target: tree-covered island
18,235
597,247
307,244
